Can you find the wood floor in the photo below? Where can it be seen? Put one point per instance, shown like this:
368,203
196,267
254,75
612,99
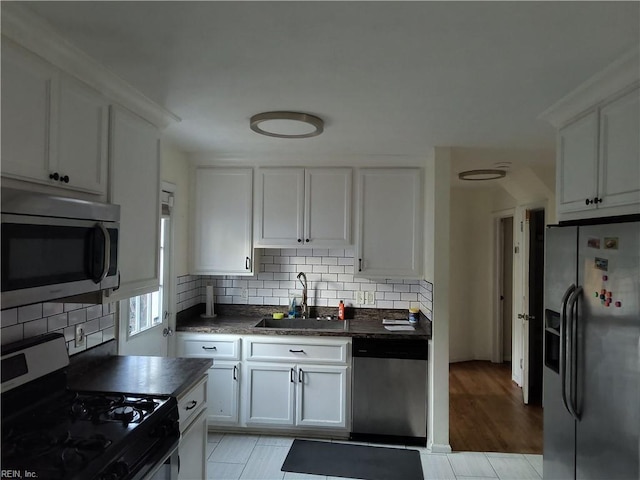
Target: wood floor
486,412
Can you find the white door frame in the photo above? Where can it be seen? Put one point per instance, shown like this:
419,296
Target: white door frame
519,365
497,353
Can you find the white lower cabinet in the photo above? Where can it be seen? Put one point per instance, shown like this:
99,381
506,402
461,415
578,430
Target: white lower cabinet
309,392
224,393
299,395
192,407
223,386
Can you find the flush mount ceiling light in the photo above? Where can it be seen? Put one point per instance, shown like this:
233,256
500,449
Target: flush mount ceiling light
287,124
477,175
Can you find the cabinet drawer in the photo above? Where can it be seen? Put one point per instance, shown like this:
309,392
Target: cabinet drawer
299,352
204,346
192,402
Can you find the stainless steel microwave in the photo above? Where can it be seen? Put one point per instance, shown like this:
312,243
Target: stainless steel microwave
56,248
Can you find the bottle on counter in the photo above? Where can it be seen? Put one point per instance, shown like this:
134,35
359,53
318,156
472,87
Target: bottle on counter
341,310
414,315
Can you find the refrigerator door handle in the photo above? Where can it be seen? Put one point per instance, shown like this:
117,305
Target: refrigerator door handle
563,345
573,369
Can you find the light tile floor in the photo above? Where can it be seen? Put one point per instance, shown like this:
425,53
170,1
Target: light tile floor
259,457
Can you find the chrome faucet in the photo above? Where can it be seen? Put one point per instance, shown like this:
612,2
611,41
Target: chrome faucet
303,280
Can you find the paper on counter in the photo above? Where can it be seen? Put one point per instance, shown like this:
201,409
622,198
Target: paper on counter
391,321
397,328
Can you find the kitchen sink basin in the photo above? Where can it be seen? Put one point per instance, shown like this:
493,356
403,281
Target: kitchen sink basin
303,324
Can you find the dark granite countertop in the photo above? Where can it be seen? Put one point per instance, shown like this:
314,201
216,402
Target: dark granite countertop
363,325
138,375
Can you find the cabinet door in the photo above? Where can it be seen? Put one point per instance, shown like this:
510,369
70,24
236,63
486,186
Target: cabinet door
280,207
28,85
390,223
619,179
82,137
321,399
135,186
222,235
223,393
270,394
327,213
193,450
577,164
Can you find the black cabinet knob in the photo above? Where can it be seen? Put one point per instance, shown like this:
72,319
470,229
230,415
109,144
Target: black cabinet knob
54,176
586,202
307,240
597,200
65,179
299,240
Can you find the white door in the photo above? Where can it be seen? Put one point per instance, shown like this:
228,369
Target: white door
321,398
144,319
523,312
222,392
270,394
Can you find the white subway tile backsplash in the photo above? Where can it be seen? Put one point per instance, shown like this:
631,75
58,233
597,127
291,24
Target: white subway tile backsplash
29,312
8,317
77,316
35,327
400,287
57,322
49,309
330,276
94,311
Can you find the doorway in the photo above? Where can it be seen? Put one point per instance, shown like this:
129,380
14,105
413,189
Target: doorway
536,304
506,287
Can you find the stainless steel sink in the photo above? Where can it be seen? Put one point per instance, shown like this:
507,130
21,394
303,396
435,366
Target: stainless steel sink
303,324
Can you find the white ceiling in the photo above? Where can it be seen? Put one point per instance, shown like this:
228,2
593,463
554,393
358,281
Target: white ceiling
390,79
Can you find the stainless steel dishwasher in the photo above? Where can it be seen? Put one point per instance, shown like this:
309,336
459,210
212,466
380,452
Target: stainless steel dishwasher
389,395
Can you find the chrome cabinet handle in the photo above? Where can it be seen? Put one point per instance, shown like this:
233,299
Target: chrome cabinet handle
235,372
247,263
208,348
191,406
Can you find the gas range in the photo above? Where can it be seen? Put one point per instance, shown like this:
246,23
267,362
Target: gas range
54,433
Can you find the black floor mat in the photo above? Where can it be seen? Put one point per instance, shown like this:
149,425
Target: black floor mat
353,461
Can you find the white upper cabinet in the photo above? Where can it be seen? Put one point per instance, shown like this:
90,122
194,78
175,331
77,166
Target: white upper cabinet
222,241
54,128
28,84
135,186
83,126
389,243
577,164
299,207
598,148
619,173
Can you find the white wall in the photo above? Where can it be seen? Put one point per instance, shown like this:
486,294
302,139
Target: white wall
437,246
175,169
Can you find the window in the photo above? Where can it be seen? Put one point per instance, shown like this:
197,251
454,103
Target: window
145,311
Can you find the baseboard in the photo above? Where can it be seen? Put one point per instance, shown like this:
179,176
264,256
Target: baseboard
439,448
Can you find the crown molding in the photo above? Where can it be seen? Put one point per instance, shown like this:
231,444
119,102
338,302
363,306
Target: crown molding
36,35
620,75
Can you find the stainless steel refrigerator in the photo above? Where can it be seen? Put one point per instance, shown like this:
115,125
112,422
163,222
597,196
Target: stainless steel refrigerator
591,386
